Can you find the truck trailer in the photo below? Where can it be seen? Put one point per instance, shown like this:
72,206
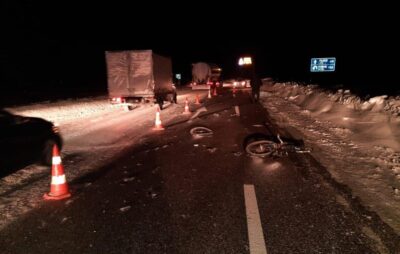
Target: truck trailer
139,76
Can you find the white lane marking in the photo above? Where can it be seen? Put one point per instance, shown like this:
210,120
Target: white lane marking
237,110
254,228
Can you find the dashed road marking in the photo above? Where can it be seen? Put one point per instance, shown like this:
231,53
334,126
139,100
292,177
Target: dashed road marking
237,110
254,228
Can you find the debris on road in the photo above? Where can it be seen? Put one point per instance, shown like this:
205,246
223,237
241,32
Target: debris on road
130,179
125,208
237,154
212,149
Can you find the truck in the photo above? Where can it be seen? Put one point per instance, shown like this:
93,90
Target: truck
139,76
204,74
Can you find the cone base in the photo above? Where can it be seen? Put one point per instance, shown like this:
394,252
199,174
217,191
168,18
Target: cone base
159,128
49,196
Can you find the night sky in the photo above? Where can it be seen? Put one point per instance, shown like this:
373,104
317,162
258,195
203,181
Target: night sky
60,47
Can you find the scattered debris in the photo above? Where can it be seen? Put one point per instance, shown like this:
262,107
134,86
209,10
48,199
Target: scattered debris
155,170
212,149
130,179
237,154
69,201
125,208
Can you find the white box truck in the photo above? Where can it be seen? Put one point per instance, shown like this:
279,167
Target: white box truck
138,76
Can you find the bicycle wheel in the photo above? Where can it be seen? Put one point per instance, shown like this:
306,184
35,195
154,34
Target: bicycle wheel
201,132
261,148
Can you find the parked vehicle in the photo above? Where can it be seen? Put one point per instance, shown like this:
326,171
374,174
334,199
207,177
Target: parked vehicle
139,76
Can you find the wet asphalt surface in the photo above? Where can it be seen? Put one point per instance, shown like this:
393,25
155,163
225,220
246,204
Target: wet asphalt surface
180,194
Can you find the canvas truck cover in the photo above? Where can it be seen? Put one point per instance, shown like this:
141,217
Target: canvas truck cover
137,73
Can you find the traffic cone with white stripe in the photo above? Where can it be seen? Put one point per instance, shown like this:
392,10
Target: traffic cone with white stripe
209,93
59,187
187,111
158,125
197,100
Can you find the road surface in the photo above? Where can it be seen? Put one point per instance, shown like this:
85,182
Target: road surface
135,190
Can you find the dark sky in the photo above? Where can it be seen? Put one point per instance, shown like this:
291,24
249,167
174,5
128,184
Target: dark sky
48,44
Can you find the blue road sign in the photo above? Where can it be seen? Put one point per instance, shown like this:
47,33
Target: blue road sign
326,64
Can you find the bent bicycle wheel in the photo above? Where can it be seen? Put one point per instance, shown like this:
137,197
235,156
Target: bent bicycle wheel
260,148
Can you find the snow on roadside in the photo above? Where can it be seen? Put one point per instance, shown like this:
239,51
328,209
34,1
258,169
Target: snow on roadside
89,146
357,141
66,110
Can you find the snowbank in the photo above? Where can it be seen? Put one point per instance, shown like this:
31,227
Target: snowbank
374,121
357,140
67,110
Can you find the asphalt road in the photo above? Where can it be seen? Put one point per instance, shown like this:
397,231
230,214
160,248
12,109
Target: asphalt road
175,193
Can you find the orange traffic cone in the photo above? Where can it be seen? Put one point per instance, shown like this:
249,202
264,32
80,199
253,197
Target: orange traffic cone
197,100
209,93
158,125
186,107
59,187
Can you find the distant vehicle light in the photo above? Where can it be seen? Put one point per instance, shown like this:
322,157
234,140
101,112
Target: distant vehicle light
116,99
243,83
245,61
